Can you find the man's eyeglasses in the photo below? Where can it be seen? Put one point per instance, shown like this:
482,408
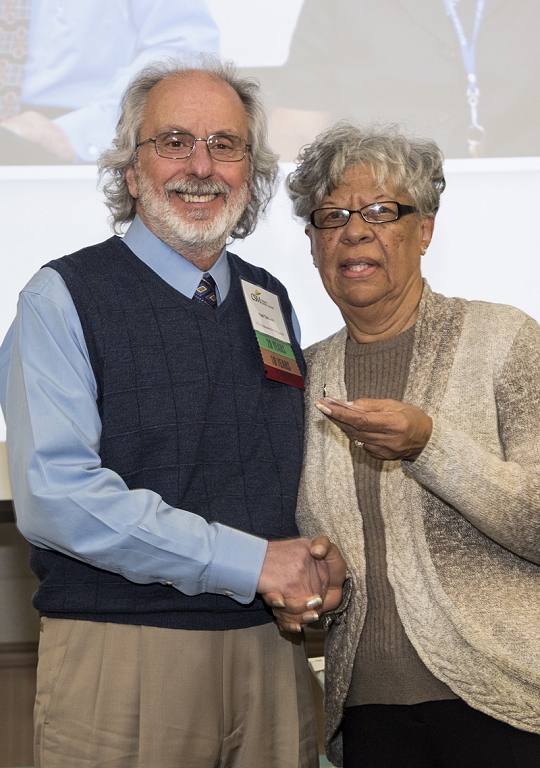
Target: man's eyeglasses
177,145
375,213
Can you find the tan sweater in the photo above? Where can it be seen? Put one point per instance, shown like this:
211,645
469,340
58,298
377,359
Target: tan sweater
462,522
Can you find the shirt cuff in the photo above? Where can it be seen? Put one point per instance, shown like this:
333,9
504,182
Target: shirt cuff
236,565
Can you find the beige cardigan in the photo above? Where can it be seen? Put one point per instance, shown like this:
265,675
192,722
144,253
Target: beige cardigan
462,522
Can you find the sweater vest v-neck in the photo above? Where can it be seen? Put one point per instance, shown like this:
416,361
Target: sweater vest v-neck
186,412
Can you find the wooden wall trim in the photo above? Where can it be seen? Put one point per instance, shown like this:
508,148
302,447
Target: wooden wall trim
7,514
18,685
18,655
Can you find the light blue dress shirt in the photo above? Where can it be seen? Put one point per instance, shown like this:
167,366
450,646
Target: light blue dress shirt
64,499
82,54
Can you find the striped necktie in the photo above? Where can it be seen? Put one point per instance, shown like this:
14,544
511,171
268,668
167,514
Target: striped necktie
206,291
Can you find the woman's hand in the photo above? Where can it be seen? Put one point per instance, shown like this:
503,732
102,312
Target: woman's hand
388,429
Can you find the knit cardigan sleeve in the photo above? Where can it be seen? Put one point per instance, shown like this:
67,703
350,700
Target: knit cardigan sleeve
498,494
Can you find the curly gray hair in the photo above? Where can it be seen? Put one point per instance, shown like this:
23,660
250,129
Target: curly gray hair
114,162
412,164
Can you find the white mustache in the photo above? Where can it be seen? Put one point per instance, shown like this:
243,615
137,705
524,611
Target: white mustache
193,187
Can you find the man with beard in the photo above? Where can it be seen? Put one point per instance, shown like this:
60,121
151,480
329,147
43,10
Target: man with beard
155,467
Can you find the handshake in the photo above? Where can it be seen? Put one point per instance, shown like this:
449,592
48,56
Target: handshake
300,579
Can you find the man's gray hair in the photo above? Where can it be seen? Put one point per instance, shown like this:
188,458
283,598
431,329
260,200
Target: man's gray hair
114,162
412,164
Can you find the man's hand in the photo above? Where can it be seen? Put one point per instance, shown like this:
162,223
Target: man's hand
37,128
291,611
388,429
289,570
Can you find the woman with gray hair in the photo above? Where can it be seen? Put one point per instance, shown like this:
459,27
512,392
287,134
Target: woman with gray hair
422,462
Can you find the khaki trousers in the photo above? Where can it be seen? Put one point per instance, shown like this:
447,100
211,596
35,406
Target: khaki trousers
121,696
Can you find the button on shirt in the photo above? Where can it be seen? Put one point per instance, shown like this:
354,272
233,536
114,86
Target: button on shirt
64,499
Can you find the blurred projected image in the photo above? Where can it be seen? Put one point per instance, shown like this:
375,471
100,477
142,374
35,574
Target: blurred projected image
463,72
64,65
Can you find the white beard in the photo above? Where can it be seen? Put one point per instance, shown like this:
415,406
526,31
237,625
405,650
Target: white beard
197,236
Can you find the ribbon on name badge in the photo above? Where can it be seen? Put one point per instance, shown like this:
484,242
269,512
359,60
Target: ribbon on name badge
279,361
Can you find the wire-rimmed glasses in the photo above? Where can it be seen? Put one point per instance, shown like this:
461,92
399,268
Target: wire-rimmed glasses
177,145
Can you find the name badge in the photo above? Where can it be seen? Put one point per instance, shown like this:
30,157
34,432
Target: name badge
272,335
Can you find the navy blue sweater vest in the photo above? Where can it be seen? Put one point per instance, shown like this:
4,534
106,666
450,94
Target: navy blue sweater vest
187,412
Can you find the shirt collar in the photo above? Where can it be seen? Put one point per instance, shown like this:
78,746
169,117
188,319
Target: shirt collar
173,268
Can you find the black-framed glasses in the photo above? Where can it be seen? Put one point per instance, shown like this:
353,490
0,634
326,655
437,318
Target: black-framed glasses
177,145
374,213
